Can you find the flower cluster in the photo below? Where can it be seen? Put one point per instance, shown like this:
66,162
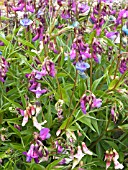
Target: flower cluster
91,100
37,150
59,109
110,156
32,111
3,68
48,68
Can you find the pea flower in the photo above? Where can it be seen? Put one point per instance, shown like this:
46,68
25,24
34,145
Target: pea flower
3,68
26,21
82,66
96,103
90,100
85,149
44,134
110,156
123,65
38,91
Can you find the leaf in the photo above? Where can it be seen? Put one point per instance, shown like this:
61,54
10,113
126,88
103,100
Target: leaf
96,83
112,144
84,119
4,41
15,130
124,127
112,84
14,103
54,163
26,43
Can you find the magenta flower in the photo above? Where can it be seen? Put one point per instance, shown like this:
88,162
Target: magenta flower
44,134
72,54
65,14
19,8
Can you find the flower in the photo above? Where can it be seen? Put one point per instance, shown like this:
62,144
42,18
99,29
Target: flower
32,153
26,22
82,66
123,65
19,8
83,103
44,134
39,91
85,149
96,103
125,29
111,35
3,68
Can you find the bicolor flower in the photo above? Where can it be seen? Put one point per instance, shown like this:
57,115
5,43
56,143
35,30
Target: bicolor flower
85,149
111,35
96,103
32,153
3,68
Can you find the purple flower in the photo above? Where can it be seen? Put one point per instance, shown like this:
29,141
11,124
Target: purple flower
72,54
19,8
44,134
32,153
83,7
65,14
39,34
111,35
123,66
39,91
26,22
30,7
83,104
82,66
96,103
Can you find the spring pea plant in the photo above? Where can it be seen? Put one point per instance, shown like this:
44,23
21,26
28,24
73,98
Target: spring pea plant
63,85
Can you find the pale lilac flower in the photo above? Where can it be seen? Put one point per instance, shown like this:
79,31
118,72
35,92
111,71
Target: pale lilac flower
82,66
96,103
26,22
83,7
